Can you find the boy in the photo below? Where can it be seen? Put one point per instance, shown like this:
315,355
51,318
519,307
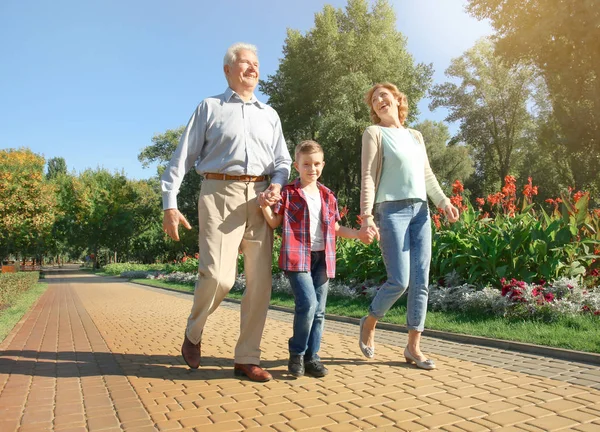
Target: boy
309,213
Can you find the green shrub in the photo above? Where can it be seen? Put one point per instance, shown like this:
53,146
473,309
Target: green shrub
12,284
118,268
526,244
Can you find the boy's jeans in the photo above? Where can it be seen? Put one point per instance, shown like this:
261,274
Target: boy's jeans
405,232
310,294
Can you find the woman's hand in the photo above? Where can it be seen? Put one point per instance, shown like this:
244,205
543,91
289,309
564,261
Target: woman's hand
452,213
367,234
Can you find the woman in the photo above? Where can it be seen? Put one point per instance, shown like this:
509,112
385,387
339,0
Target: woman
396,180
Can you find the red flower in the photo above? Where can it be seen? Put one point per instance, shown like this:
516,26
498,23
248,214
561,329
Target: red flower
343,212
457,187
578,195
457,201
436,220
480,202
529,190
495,199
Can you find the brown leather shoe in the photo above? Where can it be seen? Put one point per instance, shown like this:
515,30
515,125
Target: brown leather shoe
191,353
253,372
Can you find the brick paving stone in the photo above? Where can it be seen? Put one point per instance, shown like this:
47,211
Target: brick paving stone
468,413
344,427
590,425
553,422
508,418
109,357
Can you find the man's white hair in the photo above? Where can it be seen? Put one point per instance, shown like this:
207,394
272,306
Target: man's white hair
233,50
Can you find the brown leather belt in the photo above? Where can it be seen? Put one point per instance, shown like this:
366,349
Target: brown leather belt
242,178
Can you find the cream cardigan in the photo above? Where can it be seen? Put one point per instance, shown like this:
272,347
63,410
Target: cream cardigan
371,166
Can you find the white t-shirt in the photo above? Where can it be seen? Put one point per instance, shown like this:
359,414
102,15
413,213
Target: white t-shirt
316,226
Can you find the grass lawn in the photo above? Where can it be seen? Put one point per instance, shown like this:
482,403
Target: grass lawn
577,333
10,316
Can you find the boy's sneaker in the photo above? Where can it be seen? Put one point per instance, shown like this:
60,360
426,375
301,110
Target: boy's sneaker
296,365
315,368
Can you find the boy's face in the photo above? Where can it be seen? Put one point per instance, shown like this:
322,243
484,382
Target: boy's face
309,166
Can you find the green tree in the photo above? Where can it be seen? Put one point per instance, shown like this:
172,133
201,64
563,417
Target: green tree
162,148
449,162
27,203
562,38
545,158
490,102
321,81
56,166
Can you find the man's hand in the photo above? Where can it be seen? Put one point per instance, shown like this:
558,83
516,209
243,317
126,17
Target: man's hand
272,194
366,234
452,213
171,220
262,202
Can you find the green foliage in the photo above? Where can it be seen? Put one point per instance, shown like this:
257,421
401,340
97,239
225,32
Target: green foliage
449,161
321,81
27,203
490,102
20,304
530,246
562,38
56,166
357,261
13,284
161,150
117,268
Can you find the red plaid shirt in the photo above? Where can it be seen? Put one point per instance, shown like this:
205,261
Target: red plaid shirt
295,245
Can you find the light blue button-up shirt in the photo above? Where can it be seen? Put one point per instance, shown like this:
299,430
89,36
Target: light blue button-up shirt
229,136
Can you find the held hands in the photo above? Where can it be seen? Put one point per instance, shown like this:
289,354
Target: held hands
171,219
270,196
367,234
262,200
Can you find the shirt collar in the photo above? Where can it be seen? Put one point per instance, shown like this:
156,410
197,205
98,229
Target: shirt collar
298,185
229,94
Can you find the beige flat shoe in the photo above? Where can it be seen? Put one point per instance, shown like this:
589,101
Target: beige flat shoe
427,364
368,352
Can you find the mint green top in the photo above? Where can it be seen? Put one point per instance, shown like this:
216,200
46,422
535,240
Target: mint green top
403,170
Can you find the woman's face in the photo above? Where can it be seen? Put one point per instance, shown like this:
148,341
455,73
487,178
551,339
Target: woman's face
384,103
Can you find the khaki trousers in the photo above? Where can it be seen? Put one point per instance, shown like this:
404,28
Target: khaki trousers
229,220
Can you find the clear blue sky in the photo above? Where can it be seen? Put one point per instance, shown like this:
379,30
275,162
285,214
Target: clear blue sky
92,81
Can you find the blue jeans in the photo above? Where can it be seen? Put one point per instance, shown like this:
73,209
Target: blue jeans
405,230
310,295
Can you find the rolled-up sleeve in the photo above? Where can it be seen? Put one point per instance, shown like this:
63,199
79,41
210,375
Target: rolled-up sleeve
185,156
282,159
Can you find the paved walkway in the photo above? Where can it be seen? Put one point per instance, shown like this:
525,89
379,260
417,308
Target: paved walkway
99,354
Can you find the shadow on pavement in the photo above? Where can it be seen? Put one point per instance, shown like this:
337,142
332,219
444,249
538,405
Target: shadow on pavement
66,364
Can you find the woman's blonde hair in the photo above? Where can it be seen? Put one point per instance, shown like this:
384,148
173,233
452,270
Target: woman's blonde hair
402,108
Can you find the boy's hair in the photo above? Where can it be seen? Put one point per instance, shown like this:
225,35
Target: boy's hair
308,147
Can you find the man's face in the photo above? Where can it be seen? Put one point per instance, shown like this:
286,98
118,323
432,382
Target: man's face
243,74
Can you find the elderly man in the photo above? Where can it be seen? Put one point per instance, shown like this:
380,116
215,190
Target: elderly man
236,143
